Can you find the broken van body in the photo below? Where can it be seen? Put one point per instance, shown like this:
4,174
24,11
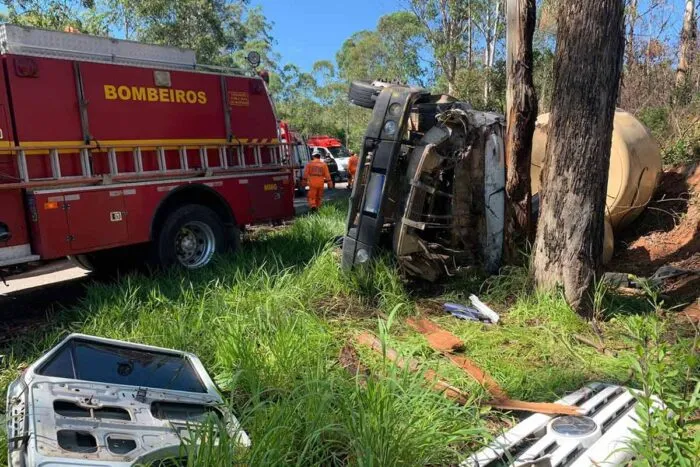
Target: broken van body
101,402
430,184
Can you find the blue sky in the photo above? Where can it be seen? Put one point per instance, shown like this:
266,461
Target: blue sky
306,31
310,30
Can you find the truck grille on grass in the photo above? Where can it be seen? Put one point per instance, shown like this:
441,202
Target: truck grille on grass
600,436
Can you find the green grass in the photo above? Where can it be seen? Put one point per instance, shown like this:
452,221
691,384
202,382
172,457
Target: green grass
269,323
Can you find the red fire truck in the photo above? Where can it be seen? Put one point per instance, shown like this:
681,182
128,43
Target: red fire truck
114,152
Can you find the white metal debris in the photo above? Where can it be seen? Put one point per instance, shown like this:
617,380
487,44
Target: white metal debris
101,402
599,437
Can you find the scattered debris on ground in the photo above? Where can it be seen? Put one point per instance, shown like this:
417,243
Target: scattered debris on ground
667,233
599,436
500,399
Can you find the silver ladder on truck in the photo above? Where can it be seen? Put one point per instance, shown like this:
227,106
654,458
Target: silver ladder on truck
230,157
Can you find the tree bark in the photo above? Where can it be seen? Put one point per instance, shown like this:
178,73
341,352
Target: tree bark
588,63
521,114
689,37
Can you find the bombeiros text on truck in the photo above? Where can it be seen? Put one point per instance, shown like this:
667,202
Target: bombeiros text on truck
114,152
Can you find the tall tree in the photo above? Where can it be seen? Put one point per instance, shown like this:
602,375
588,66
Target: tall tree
390,52
489,21
57,14
521,114
631,20
569,241
689,38
446,25
209,27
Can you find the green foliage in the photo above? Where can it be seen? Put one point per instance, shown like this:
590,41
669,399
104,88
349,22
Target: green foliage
57,14
219,31
543,76
683,151
667,435
391,52
655,119
677,130
316,103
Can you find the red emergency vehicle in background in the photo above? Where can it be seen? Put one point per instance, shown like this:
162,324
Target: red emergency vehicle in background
113,152
299,152
334,153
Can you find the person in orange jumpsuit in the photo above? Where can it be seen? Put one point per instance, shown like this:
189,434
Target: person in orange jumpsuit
316,175
352,169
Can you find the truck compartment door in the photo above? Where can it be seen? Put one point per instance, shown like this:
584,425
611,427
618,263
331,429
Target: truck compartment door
271,197
96,219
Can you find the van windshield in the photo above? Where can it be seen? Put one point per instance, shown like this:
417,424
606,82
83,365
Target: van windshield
339,152
113,364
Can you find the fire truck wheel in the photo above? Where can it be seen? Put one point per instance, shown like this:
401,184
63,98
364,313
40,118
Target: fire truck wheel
190,237
81,261
363,94
111,262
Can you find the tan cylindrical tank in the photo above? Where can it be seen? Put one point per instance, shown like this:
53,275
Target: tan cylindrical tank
635,165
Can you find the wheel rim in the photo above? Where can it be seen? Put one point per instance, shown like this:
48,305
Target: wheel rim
195,244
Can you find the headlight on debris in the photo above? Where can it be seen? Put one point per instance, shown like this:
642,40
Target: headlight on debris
395,109
390,128
362,256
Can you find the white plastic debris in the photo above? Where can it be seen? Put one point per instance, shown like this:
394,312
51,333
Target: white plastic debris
483,308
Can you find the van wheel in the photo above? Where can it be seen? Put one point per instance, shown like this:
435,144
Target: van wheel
190,237
363,94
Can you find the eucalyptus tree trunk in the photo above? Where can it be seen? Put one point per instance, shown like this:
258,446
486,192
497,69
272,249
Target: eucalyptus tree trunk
689,37
588,63
521,114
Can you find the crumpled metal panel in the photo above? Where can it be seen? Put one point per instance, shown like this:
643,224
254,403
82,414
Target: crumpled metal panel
64,421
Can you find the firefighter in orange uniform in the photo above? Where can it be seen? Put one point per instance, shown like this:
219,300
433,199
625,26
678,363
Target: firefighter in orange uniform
316,175
352,169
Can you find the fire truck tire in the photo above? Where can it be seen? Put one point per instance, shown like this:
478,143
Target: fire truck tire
190,237
111,262
363,94
81,261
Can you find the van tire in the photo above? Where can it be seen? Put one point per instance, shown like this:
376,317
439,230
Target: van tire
190,237
363,94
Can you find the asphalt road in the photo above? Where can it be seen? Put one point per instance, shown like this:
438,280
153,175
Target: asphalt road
26,302
340,192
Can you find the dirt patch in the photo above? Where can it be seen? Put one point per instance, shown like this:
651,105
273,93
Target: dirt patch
349,359
692,312
343,306
668,232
